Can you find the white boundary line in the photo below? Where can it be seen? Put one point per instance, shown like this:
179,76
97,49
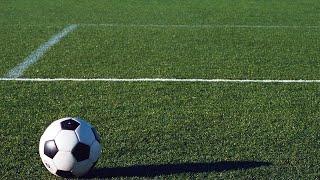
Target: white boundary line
159,80
37,54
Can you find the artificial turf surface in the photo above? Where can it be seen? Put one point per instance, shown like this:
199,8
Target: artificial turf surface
167,130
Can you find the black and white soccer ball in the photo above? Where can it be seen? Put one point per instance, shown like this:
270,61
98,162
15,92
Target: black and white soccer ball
70,147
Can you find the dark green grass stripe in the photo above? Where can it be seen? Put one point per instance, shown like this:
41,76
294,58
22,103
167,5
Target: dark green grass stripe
162,123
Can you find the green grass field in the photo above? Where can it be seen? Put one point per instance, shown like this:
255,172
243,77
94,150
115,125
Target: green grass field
180,130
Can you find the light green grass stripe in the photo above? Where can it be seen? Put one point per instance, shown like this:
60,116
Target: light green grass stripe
195,25
170,25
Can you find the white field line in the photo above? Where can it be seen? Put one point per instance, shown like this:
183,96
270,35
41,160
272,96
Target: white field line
159,80
194,26
37,54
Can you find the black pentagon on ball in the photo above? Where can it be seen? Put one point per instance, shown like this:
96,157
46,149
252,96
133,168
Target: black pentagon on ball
65,174
69,124
81,152
50,149
96,134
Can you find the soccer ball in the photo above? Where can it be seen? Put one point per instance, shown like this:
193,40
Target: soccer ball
69,147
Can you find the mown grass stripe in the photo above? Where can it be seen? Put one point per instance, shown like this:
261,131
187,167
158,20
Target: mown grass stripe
37,54
196,26
169,25
161,80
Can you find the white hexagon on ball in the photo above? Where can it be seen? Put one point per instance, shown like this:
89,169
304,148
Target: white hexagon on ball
81,168
48,162
64,161
69,147
85,134
95,151
66,140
